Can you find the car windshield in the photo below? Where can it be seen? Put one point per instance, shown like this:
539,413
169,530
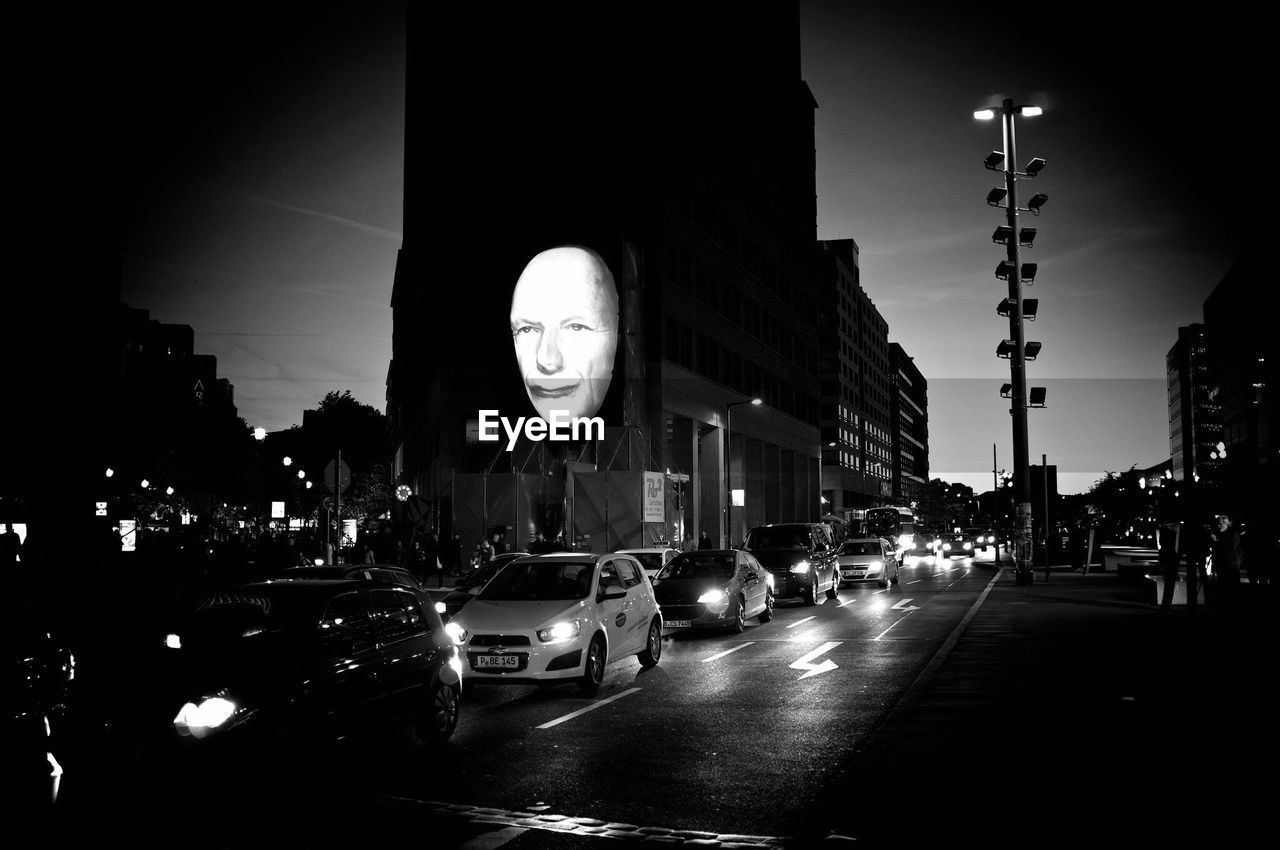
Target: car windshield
536,580
778,537
860,547
701,565
235,617
648,560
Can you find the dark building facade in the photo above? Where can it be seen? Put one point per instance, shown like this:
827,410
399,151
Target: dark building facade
1195,423
693,179
857,388
909,424
1240,365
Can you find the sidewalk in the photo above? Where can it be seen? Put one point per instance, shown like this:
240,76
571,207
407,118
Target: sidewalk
1075,710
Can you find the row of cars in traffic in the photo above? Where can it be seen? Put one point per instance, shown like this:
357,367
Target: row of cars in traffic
320,650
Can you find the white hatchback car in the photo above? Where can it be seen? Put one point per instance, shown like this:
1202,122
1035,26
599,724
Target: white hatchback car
868,559
562,617
651,560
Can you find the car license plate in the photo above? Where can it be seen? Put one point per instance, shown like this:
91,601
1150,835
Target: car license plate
497,661
677,624
851,573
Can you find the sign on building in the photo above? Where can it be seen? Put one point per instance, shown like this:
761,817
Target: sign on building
655,502
128,535
277,510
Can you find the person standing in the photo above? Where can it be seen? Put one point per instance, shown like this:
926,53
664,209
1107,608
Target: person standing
10,546
431,558
1168,562
452,555
1225,546
704,540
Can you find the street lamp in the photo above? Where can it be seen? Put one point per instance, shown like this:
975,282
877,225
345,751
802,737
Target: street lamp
259,434
728,446
1016,347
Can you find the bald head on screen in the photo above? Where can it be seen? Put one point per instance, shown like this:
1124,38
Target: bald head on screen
564,323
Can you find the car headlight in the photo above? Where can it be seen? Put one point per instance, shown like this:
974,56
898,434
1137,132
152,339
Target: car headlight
874,566
802,567
457,632
558,632
946,547
768,577
968,545
199,720
715,600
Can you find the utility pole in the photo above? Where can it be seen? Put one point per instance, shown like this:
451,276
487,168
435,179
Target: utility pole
995,501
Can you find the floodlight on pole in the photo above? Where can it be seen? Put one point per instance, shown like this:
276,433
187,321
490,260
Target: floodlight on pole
1029,273
1006,390
1002,235
1036,396
994,161
1015,348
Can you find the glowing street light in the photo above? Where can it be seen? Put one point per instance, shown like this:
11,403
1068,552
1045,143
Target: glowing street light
287,461
302,474
168,491
110,472
145,483
259,434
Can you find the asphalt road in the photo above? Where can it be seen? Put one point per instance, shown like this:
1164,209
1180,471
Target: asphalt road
729,734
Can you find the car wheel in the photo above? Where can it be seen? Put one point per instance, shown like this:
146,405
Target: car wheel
739,618
884,582
811,597
441,714
834,591
767,614
894,580
653,646
593,671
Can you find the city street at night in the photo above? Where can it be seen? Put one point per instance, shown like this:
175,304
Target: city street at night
555,425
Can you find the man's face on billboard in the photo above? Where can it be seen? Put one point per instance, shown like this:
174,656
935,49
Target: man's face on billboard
564,322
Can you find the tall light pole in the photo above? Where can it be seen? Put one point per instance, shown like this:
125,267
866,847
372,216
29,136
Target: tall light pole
728,445
1016,347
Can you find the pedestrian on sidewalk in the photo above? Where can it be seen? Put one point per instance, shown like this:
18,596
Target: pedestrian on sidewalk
1168,542
1225,547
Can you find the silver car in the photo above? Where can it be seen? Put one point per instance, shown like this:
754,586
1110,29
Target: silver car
867,559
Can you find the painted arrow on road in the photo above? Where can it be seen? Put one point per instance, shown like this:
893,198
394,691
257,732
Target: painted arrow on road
903,606
805,661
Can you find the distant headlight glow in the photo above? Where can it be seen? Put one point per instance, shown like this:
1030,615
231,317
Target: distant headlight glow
173,641
905,540
946,547
802,567
968,545
558,632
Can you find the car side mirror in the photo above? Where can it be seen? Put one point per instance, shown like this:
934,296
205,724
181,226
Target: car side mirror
613,593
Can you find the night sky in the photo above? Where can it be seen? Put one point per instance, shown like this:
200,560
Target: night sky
258,158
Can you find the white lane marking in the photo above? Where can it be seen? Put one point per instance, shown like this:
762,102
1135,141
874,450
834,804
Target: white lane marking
493,840
917,581
844,602
901,605
805,620
727,651
591,707
886,631
803,662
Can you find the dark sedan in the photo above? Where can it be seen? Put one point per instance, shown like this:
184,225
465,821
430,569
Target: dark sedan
716,588
957,545
283,665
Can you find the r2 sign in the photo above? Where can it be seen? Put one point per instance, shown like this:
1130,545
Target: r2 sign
655,502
